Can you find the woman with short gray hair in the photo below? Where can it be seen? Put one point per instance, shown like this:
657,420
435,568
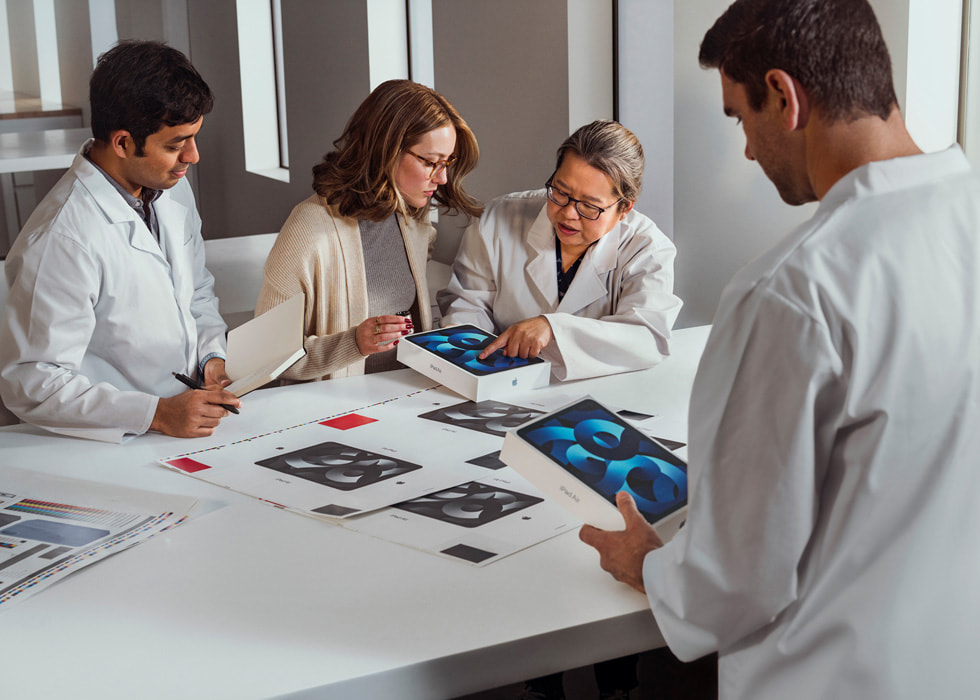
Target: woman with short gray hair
572,272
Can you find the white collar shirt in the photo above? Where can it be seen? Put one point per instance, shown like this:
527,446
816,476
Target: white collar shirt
830,549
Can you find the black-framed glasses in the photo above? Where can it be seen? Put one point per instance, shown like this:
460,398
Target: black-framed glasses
585,209
435,166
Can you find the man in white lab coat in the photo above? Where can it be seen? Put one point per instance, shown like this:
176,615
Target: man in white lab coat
831,545
109,295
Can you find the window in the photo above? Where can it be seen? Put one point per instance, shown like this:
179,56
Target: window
387,40
969,131
263,88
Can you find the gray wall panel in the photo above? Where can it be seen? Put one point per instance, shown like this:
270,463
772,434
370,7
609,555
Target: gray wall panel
504,66
327,77
326,69
646,99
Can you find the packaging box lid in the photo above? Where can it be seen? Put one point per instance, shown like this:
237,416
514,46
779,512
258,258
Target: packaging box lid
451,356
582,454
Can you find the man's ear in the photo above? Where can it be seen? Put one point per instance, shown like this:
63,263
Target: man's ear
627,210
122,143
791,98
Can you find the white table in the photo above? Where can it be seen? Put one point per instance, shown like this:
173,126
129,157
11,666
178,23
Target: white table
218,608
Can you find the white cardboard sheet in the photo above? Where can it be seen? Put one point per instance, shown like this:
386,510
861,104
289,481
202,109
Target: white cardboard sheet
362,460
478,522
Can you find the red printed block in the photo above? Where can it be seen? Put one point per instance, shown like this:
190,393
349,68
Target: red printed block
186,464
352,420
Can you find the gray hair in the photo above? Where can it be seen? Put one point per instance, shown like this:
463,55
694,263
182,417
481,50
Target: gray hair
613,149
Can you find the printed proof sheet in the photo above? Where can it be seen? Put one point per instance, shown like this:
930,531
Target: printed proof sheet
50,527
478,522
421,469
362,460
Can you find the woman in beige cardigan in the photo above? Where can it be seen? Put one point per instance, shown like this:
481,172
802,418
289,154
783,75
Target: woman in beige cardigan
357,248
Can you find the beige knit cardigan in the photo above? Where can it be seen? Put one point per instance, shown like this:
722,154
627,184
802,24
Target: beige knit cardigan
318,253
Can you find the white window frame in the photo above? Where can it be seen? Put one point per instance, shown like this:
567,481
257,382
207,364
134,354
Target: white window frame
969,122
263,88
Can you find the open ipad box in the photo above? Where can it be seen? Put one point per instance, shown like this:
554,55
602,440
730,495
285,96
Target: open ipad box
450,356
582,454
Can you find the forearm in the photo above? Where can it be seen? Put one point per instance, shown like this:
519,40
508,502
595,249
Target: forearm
744,556
211,328
47,328
467,301
480,319
588,347
468,298
325,354
54,399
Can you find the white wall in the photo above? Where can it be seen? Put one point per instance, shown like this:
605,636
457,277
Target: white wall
23,48
933,85
590,62
970,114
646,99
504,66
720,209
6,65
726,212
387,41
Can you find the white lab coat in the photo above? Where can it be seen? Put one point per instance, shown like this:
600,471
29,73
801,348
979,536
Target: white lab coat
617,313
831,549
99,314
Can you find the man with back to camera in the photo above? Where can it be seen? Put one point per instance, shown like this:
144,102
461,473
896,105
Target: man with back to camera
830,549
108,290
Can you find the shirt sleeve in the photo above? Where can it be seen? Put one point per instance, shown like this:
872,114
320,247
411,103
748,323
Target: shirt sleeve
211,328
291,269
48,324
635,333
472,287
760,423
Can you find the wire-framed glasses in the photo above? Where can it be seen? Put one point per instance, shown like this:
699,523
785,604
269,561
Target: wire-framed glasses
435,166
585,209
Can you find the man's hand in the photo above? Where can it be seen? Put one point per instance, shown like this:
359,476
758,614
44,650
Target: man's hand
214,373
524,339
621,552
193,413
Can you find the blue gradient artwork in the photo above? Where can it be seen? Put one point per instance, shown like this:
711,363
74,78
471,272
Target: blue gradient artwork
462,346
603,451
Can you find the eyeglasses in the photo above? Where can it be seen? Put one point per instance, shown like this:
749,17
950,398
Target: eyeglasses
435,166
584,209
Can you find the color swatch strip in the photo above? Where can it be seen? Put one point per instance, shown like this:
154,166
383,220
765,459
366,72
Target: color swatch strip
66,511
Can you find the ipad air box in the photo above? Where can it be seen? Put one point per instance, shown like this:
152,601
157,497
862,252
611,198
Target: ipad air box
450,356
583,454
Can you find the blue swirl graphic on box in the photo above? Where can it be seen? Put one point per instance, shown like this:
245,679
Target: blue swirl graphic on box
600,450
462,346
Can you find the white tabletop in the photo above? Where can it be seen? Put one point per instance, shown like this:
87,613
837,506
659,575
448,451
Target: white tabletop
220,608
51,149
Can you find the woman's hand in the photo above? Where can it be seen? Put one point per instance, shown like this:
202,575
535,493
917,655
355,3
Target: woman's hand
524,339
377,333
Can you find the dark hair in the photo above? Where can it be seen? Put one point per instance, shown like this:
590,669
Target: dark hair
834,48
142,86
359,175
613,149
